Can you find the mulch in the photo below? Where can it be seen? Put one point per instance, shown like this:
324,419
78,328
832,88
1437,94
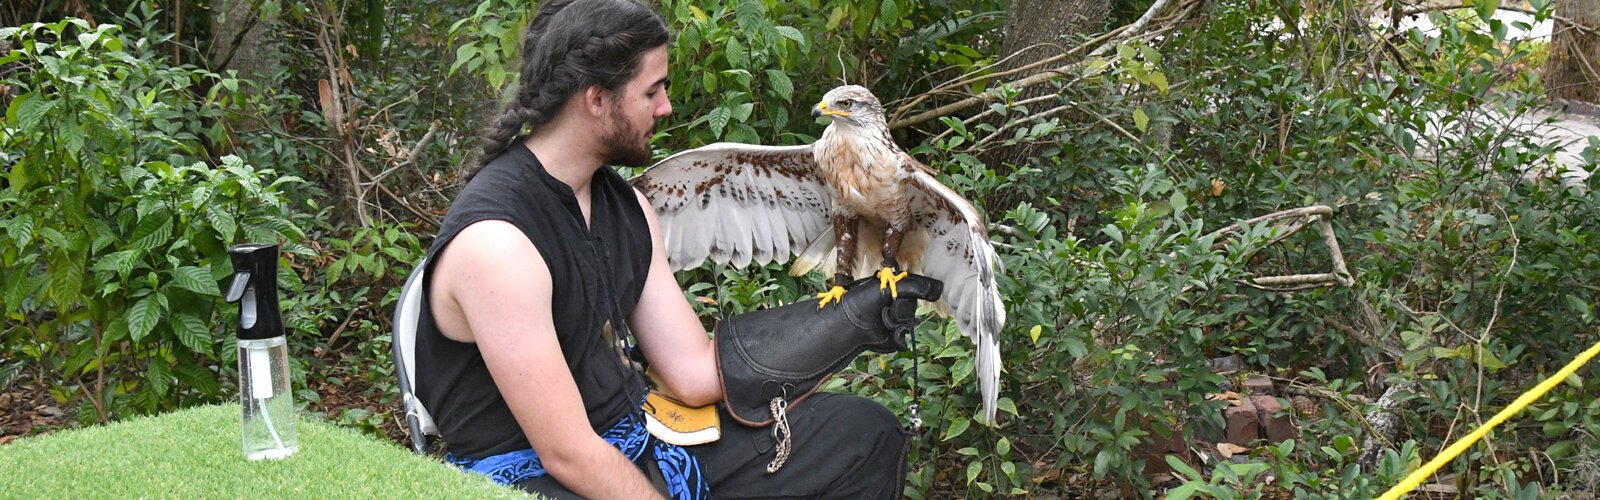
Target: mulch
27,408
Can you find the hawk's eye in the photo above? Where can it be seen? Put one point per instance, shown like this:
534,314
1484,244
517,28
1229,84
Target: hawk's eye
847,103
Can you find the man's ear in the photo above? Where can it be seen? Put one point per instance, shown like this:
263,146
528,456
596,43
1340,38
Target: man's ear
594,100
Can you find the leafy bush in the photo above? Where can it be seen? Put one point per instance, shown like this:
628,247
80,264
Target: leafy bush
115,233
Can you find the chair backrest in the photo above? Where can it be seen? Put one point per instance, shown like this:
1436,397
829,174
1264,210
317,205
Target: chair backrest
404,338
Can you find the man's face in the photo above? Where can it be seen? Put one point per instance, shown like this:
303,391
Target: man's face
634,110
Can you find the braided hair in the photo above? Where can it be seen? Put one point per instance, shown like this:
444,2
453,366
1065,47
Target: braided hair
564,50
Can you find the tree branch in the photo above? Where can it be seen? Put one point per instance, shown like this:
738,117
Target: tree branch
1106,42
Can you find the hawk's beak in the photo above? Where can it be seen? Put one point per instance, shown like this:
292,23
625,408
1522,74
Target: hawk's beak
822,109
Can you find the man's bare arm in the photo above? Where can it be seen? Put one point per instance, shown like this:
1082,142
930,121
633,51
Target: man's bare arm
672,337
499,283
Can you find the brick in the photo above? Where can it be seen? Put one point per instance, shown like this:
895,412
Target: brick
1156,448
1274,421
1244,427
1258,385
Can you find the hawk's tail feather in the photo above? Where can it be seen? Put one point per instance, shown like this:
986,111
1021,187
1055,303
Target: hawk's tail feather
817,254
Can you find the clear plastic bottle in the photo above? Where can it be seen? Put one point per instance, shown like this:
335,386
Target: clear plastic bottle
268,418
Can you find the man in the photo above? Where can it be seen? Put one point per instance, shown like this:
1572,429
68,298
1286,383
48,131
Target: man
546,260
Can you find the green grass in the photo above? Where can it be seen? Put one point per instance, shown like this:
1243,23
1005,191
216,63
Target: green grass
195,453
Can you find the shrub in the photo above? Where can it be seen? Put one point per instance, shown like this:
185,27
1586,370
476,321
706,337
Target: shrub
115,228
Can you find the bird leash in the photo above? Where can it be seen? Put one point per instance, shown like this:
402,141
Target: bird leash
914,427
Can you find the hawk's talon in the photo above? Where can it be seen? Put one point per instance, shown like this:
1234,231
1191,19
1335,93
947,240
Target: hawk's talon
888,278
834,294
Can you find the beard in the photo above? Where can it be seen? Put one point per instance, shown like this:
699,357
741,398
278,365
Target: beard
625,145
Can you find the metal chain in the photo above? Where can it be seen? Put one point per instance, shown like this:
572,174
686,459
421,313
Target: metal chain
780,431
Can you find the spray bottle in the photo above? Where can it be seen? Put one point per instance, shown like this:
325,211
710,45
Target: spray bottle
268,419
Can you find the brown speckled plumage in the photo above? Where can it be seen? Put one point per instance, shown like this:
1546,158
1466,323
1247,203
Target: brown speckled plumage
852,189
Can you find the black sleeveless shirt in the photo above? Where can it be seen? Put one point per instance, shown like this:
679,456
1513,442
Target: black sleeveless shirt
597,273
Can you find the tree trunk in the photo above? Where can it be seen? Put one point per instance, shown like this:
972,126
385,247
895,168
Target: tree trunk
240,43
1058,25
1573,70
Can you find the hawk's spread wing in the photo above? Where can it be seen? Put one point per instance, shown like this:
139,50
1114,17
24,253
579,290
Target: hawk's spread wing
737,203
958,253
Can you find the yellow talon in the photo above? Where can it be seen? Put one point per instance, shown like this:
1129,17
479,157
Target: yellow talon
833,294
887,278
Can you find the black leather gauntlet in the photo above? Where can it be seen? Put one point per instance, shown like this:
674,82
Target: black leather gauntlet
787,352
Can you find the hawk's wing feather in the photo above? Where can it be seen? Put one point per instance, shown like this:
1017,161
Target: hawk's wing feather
958,253
736,203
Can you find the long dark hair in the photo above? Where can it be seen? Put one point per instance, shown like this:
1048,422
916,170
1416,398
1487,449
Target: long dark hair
564,50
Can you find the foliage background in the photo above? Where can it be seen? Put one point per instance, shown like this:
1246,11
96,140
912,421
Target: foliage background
130,164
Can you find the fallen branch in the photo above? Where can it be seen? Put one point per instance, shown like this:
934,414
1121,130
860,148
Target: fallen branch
1385,420
1297,218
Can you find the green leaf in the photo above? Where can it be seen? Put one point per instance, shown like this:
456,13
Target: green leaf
1102,462
961,371
1182,467
1183,491
1007,405
1159,81
794,34
196,280
159,376
1114,232
27,111
1489,360
1141,120
957,427
888,13
66,282
20,229
1558,451
835,18
737,55
1343,444
780,83
718,119
222,221
1003,447
192,332
120,262
742,112
1033,333
972,471
152,232
198,377
465,53
142,317
9,373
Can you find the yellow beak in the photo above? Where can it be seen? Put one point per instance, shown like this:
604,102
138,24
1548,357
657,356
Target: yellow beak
822,109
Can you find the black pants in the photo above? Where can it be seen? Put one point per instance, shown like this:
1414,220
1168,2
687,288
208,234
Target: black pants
844,447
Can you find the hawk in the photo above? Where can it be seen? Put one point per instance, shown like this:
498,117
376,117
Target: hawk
851,190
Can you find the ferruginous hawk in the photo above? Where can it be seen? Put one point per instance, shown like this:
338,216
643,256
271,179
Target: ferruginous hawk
744,204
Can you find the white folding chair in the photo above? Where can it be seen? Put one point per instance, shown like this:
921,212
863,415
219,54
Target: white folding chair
408,309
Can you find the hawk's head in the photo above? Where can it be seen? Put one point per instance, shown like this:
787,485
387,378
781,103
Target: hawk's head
851,105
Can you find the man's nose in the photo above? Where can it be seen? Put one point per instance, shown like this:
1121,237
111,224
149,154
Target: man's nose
665,108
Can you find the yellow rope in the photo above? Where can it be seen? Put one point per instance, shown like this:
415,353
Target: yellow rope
1415,479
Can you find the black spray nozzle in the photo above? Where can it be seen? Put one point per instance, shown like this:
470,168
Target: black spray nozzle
255,288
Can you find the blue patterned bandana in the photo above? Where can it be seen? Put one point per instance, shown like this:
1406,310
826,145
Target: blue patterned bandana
680,468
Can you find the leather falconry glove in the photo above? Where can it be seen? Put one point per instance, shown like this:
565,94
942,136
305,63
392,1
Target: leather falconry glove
773,358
